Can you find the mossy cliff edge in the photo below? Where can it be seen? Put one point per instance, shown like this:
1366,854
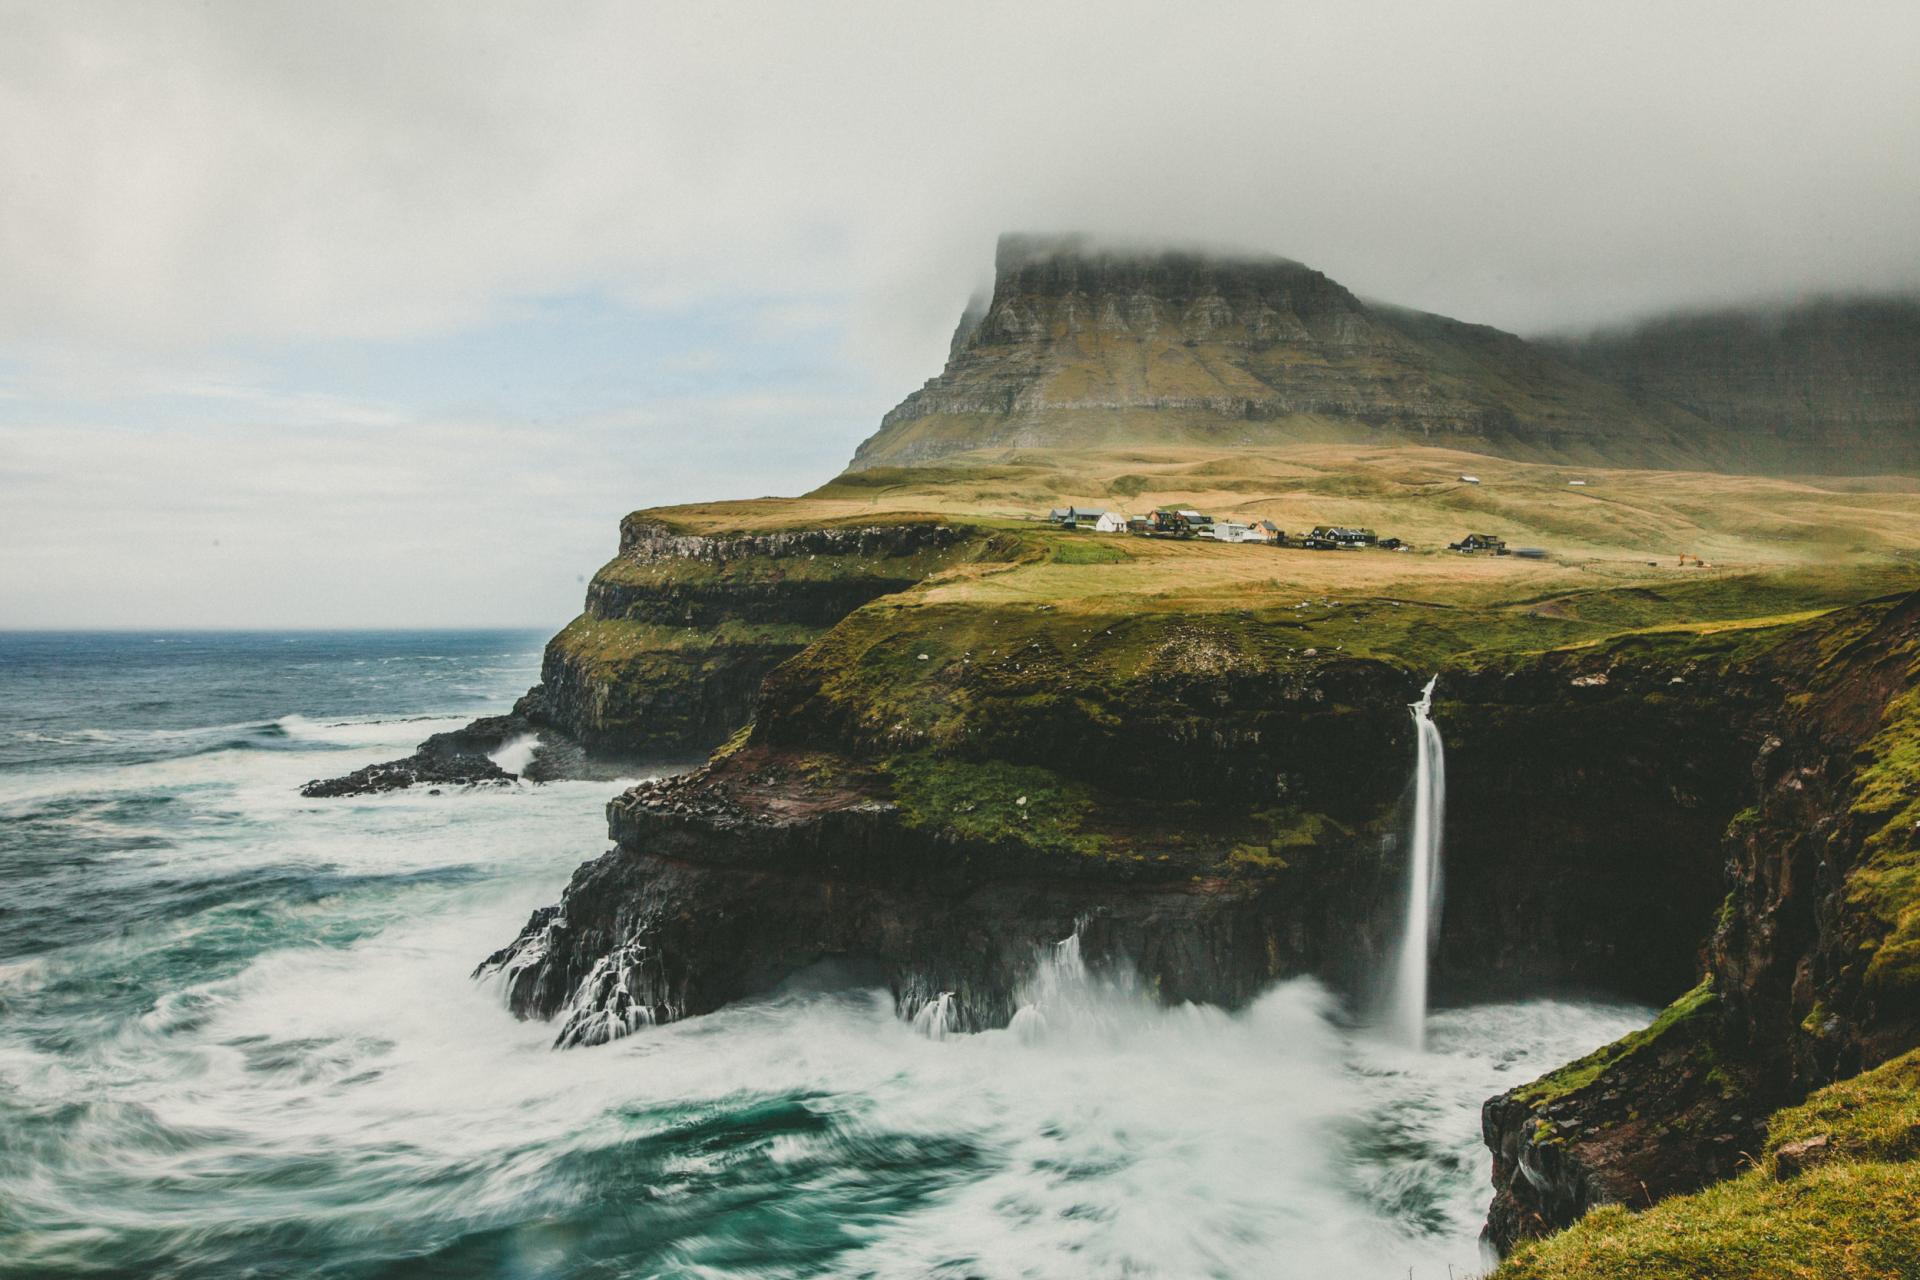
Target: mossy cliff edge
1808,981
679,628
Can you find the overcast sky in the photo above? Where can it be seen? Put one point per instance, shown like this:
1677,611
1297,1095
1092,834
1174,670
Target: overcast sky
379,314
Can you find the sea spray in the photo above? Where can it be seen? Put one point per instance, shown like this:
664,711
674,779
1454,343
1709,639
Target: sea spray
1407,997
320,1089
517,753
937,1018
1056,993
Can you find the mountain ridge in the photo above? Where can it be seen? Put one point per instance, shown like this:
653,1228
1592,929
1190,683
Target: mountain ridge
1083,345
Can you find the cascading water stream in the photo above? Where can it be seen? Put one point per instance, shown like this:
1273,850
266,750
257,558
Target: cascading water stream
1407,998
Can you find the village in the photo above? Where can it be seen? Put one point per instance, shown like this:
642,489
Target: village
1180,522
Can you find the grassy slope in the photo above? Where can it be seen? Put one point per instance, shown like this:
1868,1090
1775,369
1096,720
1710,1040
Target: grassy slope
1777,548
1054,622
1855,1215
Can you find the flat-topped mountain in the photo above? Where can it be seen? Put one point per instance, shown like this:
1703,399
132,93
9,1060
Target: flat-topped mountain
1084,345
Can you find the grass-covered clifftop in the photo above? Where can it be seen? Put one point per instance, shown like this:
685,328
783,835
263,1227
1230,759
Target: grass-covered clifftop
680,627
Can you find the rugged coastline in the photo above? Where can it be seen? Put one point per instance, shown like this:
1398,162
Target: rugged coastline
945,735
818,836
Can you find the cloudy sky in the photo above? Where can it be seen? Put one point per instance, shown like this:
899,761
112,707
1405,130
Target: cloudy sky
375,314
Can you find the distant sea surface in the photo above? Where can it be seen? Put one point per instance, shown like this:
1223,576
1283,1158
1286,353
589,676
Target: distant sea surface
238,1037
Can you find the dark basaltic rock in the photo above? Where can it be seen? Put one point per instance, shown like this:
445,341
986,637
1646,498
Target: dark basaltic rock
1227,813
725,883
797,847
445,768
462,756
1799,992
1664,1112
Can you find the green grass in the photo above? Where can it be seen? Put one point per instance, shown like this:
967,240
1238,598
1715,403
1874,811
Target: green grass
1090,549
1844,1222
994,801
1854,1216
1872,1116
1695,1004
602,642
1886,883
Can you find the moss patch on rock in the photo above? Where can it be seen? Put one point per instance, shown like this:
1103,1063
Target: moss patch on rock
1695,1004
994,801
1886,883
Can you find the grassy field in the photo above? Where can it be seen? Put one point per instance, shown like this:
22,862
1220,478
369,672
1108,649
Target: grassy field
1613,547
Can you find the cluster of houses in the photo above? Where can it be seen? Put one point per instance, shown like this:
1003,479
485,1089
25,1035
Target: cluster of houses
1179,522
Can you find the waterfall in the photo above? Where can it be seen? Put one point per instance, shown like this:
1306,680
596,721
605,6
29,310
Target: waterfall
1407,1000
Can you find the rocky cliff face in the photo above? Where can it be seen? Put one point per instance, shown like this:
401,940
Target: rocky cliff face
1824,387
1810,969
679,629
1214,814
1222,823
1082,344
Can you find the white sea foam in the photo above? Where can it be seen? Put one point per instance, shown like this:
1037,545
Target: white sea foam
1102,1135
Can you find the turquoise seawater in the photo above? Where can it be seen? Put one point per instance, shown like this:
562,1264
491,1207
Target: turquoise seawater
238,1038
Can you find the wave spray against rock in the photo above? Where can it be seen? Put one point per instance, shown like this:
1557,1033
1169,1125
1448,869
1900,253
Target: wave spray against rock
1407,998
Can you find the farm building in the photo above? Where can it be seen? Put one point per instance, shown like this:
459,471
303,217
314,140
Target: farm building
1341,535
1230,531
1480,542
1180,522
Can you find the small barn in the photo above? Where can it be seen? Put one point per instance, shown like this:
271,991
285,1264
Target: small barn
1233,531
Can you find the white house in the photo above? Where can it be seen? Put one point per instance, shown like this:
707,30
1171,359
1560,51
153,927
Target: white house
1230,531
1111,522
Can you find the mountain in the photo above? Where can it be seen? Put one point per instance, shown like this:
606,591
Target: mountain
1084,345
1798,387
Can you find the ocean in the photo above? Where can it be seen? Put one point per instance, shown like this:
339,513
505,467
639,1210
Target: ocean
238,1037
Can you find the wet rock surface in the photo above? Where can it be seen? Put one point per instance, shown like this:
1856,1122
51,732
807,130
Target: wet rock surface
463,756
422,768
1788,962
723,885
